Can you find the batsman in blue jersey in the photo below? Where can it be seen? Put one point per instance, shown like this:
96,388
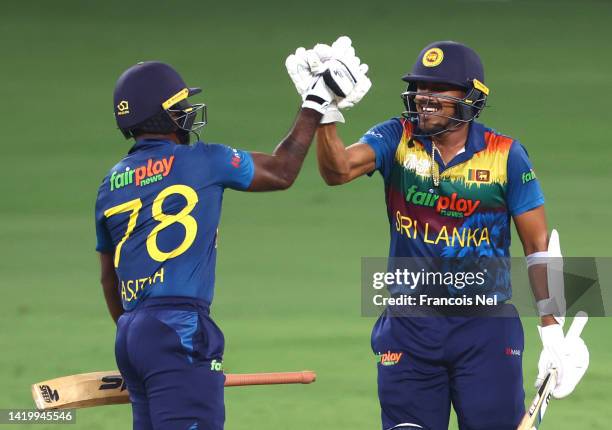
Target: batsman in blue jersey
157,215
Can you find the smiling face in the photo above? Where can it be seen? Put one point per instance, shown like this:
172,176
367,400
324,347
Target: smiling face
434,109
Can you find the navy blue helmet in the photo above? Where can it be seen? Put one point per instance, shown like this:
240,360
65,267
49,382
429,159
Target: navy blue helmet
449,63
151,97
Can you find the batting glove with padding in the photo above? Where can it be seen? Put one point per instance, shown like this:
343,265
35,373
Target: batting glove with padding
568,354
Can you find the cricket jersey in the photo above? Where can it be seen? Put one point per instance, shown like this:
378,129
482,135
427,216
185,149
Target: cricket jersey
158,213
468,213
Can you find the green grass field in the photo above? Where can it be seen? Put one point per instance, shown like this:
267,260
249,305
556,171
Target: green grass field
288,294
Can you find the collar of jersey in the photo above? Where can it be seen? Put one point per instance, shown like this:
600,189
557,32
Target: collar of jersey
148,143
475,143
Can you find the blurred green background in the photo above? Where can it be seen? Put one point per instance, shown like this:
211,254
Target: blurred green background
289,263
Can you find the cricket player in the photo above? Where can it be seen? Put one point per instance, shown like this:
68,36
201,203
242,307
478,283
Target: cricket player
157,217
452,185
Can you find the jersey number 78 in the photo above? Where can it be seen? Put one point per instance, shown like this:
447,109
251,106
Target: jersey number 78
183,217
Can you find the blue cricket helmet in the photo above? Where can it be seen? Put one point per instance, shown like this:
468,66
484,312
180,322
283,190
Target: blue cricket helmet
152,97
449,63
452,63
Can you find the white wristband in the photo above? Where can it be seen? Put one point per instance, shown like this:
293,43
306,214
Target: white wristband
541,257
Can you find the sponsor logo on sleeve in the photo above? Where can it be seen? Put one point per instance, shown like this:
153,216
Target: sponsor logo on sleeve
528,176
236,158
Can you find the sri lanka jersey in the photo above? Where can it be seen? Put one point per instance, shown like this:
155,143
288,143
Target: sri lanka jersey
158,211
468,213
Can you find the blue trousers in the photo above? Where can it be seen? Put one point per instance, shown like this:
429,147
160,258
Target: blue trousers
170,353
427,363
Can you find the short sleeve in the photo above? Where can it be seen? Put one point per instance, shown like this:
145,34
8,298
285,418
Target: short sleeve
384,139
523,190
233,168
104,242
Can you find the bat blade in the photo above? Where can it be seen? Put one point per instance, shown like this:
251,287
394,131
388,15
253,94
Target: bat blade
533,417
108,388
81,391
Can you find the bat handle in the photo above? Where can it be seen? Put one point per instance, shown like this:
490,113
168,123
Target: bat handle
238,379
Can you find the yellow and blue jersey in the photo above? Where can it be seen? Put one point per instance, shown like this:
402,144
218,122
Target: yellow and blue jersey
158,212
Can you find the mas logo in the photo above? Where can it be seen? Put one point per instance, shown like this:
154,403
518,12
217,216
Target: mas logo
236,159
450,206
513,352
528,176
153,171
123,108
389,358
433,57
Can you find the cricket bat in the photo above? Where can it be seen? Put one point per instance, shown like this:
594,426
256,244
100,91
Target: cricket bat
535,413
108,388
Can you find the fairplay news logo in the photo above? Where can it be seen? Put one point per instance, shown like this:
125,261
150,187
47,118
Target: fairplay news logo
389,358
452,206
149,173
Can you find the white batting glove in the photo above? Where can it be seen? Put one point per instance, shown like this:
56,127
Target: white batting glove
299,70
344,73
302,67
342,70
568,354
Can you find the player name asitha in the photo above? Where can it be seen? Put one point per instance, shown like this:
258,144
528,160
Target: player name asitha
425,300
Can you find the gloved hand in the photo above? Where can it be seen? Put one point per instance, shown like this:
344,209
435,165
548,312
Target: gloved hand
298,70
302,67
317,96
342,72
568,354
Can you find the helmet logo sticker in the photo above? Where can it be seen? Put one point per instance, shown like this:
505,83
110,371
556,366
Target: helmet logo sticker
123,108
180,96
433,57
480,86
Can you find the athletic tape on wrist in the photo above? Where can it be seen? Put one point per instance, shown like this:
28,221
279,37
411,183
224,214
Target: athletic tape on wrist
541,257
